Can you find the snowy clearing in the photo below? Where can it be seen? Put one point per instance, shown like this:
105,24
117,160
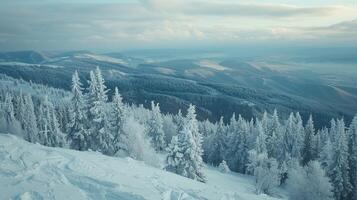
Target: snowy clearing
33,171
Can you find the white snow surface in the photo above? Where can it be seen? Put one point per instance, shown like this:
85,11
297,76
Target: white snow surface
32,171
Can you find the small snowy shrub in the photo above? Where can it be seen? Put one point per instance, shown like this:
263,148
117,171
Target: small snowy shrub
309,183
223,167
265,171
139,146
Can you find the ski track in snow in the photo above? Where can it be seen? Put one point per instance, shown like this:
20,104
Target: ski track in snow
34,172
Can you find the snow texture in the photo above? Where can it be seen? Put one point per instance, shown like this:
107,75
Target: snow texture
33,171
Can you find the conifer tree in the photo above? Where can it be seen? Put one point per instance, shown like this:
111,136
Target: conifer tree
117,121
352,150
185,155
239,147
49,131
78,135
30,122
338,169
218,146
10,124
155,125
101,137
307,149
273,136
9,110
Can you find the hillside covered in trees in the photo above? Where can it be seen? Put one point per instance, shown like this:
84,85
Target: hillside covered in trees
277,152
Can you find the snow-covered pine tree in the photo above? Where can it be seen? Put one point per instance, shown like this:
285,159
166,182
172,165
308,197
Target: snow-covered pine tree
338,169
231,136
174,159
232,127
19,108
288,137
191,125
292,138
260,144
209,130
307,149
218,146
49,132
298,137
238,147
185,157
9,109
263,168
332,133
9,123
325,156
179,120
317,145
352,150
155,125
273,135
309,183
101,137
78,135
169,127
63,112
265,123
117,117
30,120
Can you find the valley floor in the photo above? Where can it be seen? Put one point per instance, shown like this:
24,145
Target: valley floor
32,171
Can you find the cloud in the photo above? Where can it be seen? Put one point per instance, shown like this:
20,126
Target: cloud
222,8
346,26
156,23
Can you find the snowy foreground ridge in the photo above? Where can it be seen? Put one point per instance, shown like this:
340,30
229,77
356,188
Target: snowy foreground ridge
33,171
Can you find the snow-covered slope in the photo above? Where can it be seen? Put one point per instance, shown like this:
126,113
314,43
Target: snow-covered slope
32,171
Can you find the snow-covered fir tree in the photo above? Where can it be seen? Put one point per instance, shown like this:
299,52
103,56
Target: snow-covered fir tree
49,131
8,122
218,146
273,135
317,145
19,108
117,119
238,147
352,151
264,169
260,144
155,125
325,156
78,135
185,155
292,138
179,120
307,149
30,120
101,137
338,169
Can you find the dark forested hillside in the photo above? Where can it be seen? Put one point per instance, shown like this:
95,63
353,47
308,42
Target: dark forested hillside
218,87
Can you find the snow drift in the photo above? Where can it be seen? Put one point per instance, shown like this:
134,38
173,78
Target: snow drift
33,171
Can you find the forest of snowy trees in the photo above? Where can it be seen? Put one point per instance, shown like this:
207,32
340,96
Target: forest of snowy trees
311,164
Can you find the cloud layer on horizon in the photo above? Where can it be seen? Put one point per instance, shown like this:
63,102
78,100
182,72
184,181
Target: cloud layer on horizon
47,25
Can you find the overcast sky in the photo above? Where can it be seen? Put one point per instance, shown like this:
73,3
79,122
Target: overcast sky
134,24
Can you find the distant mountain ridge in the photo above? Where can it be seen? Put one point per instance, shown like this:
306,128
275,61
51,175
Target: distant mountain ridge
32,57
218,86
